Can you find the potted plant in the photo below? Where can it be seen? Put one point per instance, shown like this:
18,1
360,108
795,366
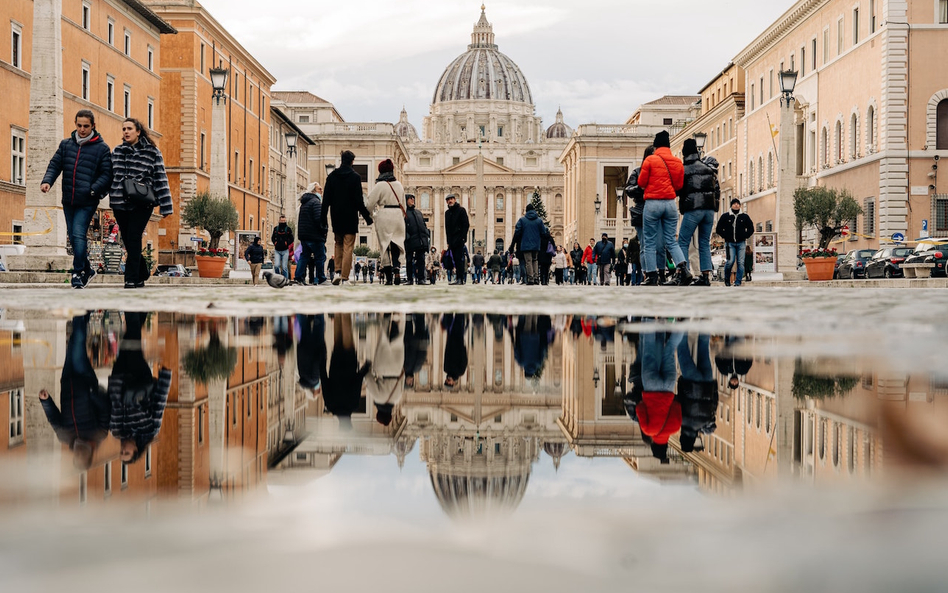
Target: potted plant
216,217
214,362
827,210
807,383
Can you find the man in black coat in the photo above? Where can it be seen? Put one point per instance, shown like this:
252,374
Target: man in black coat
255,256
456,227
730,365
605,253
417,241
343,196
735,227
282,239
417,340
85,162
698,201
312,236
455,349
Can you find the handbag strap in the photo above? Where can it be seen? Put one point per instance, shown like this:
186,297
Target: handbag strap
670,180
405,214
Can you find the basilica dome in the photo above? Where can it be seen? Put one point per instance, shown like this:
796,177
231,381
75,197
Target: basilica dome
482,72
559,130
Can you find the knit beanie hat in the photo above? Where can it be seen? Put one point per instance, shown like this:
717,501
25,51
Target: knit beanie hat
690,147
529,208
735,201
386,166
662,140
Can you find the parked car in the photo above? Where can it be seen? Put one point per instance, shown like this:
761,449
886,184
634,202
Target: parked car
886,263
172,270
931,251
839,260
854,263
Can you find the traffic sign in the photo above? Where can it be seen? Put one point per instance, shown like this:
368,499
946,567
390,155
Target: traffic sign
898,237
846,230
197,239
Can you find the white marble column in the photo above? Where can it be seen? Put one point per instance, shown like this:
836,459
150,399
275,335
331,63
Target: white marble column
45,226
218,157
787,183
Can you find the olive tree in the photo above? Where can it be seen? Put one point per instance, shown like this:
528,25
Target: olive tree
826,209
214,215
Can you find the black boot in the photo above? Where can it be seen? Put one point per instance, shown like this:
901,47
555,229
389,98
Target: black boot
703,280
387,274
681,276
397,274
651,279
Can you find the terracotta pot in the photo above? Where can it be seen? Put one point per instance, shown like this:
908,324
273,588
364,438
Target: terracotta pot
210,267
819,269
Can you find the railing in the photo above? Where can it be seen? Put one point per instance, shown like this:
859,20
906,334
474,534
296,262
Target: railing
353,128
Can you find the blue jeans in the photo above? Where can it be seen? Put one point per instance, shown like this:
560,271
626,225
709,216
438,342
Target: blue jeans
699,369
78,219
592,274
734,251
661,222
658,360
317,251
281,262
703,222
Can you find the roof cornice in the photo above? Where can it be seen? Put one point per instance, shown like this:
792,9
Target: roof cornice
778,30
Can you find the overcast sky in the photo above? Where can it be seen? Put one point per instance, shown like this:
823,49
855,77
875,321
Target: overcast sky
597,59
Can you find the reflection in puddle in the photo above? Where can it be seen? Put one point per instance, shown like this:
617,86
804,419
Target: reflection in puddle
133,406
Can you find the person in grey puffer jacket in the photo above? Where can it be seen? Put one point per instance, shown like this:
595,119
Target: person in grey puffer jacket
139,159
698,201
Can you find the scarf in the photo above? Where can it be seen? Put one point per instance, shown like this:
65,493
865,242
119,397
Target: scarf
387,176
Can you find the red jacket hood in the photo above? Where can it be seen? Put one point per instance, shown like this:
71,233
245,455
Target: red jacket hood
659,415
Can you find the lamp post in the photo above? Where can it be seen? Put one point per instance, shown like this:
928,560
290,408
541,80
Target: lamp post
786,182
218,181
596,377
700,139
289,193
620,220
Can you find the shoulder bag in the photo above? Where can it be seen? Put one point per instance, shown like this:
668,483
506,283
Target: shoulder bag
404,214
138,193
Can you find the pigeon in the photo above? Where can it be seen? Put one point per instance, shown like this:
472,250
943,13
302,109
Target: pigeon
275,280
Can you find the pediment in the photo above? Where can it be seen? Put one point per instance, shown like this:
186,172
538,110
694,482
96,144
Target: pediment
469,167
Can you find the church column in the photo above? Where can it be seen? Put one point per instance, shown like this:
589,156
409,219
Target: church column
490,220
508,217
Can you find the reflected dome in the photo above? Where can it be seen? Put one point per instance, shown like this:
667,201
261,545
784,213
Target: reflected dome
479,493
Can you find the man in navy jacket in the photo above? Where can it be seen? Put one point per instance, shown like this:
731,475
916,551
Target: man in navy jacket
85,162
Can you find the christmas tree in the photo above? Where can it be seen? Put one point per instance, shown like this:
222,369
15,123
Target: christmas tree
539,207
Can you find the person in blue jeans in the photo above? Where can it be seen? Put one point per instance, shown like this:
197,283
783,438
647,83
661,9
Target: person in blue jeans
312,237
735,227
85,162
697,202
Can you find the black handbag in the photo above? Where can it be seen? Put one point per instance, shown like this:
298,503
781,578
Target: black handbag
636,215
138,194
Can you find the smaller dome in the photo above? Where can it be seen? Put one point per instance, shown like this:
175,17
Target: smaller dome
559,130
404,129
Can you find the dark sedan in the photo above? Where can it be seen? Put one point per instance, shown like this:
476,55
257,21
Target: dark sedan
886,263
933,251
854,264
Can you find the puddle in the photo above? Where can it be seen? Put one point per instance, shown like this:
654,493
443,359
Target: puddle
557,451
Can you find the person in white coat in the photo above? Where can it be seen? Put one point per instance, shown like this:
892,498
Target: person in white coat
385,384
386,202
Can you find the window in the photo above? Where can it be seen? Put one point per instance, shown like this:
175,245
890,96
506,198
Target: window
127,100
85,80
869,216
363,171
824,147
250,174
666,121
839,37
855,26
128,42
813,54
500,131
86,16
425,201
943,11
151,113
148,461
304,119
769,226
236,177
532,161
761,90
793,61
826,45
838,139
770,82
18,157
853,135
500,160
770,169
424,161
202,58
16,49
802,62
941,215
17,240
200,420
760,173
83,487
941,130
500,202
872,16
250,99
750,178
107,473
203,149
16,417
111,37
456,160
124,475
151,59
483,131
110,93
870,129
753,94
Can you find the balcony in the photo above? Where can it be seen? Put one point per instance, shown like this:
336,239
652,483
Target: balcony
349,129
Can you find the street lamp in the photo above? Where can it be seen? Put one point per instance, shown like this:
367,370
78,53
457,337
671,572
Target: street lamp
596,377
291,143
219,82
788,80
620,193
700,139
598,204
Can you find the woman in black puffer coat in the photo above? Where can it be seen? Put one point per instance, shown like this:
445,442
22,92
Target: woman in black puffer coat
137,158
698,202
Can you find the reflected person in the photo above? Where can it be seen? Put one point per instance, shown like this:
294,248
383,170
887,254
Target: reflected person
311,351
532,337
659,413
342,383
83,422
417,339
138,398
730,365
697,392
384,383
455,349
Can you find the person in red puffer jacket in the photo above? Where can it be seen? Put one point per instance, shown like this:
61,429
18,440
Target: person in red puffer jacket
659,413
661,177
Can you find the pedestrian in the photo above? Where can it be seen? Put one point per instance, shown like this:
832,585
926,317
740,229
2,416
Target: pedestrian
528,238
577,256
255,256
748,263
621,268
357,268
456,227
660,178
735,227
605,254
589,260
282,239
330,267
417,241
85,162
478,266
697,393
659,412
559,263
312,231
384,384
700,198
633,256
547,252
139,184
386,203
371,272
447,262
517,270
496,264
434,265
343,199
637,195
